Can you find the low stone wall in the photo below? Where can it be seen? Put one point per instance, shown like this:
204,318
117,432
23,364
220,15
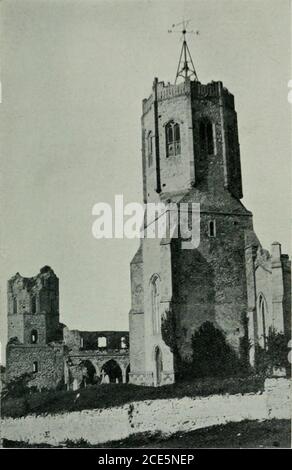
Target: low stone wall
168,416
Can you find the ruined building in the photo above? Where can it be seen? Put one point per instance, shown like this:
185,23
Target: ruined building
191,154
45,349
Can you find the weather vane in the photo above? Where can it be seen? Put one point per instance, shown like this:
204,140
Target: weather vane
186,68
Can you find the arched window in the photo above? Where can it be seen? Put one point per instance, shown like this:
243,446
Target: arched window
35,366
262,320
155,300
14,305
212,228
34,337
206,137
172,138
33,304
101,342
150,148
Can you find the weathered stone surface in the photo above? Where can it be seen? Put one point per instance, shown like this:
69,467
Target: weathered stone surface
223,279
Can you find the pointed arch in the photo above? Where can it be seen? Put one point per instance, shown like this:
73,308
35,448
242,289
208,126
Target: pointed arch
262,312
112,372
34,337
172,139
150,148
155,302
206,136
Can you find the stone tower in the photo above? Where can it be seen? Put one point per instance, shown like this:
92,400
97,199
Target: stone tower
33,308
190,154
34,333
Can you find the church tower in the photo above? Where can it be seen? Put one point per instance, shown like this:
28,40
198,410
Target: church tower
190,154
35,335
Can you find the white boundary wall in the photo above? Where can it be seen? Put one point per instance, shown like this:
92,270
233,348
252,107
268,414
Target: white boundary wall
168,416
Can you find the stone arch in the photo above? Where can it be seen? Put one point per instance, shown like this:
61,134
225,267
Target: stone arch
172,138
34,336
112,369
88,372
155,302
206,136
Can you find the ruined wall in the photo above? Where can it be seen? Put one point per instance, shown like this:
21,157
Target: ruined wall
89,340
33,303
167,416
49,359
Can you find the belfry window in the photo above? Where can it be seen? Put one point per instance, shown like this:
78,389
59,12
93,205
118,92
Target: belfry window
34,337
172,137
212,228
33,305
14,305
35,366
101,342
150,148
155,300
206,137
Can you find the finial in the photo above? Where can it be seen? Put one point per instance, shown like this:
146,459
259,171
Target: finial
186,68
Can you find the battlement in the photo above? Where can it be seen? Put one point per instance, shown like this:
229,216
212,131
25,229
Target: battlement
194,89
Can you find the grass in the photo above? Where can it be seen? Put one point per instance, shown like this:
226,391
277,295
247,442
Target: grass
109,395
245,434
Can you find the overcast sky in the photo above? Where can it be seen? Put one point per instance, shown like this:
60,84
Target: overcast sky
73,76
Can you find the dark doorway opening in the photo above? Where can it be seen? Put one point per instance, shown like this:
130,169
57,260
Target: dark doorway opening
88,372
112,370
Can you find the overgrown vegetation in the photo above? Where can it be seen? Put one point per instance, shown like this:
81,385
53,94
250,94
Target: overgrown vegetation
274,355
18,387
109,395
212,356
168,330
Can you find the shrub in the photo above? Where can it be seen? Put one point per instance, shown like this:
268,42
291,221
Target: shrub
212,356
274,355
168,330
18,387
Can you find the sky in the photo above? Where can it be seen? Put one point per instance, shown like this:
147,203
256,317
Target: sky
73,76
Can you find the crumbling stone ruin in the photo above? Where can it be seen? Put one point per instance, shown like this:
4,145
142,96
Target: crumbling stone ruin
53,355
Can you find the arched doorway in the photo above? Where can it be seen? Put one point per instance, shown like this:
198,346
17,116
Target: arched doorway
158,365
88,373
111,372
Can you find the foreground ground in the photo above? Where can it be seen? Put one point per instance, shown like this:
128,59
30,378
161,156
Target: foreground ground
246,434
109,395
